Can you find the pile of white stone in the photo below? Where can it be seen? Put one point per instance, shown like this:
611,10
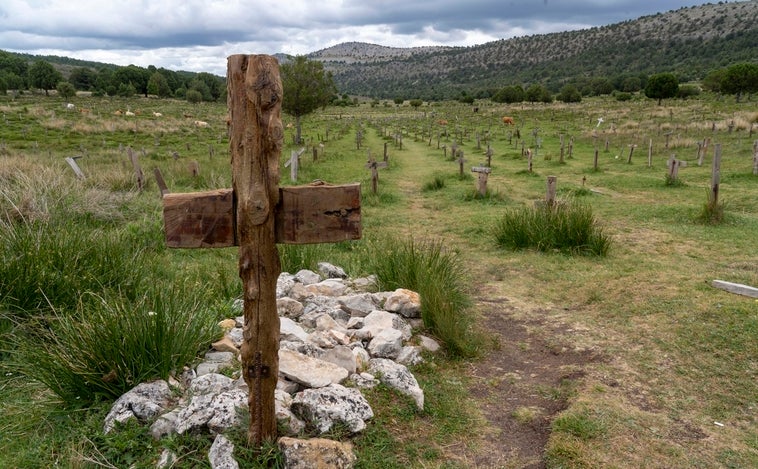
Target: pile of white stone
337,337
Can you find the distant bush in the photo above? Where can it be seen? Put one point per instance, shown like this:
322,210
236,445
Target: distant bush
688,91
566,227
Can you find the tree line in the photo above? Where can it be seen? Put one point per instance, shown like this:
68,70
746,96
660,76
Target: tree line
20,74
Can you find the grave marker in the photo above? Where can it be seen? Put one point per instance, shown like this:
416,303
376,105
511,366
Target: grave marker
160,181
374,166
460,161
137,169
552,183
72,162
673,165
483,172
256,214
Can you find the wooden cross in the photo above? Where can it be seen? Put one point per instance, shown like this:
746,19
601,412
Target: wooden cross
460,161
484,172
673,165
374,166
255,215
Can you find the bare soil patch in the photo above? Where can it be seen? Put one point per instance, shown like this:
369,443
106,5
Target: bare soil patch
522,384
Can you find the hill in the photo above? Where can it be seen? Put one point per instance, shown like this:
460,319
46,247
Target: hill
690,42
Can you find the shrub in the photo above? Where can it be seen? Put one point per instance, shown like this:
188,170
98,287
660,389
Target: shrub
110,343
712,212
437,275
435,184
566,227
52,263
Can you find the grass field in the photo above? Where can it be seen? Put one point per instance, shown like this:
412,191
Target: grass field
675,382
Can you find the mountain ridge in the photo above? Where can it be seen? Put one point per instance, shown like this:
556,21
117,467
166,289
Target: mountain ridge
689,41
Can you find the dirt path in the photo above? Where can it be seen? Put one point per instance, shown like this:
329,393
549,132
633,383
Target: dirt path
522,384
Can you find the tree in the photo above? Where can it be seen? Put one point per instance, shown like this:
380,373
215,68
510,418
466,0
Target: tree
662,86
306,86
570,94
538,93
740,78
158,85
83,78
44,76
65,89
510,94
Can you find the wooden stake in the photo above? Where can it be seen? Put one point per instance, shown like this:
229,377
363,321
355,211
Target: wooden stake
137,169
716,174
552,182
161,182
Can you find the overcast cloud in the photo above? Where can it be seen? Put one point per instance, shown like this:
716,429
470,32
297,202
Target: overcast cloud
198,35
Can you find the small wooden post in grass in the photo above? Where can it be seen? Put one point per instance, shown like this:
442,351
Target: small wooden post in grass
563,149
529,160
460,161
650,153
374,166
71,160
552,182
256,214
160,181
294,163
673,165
632,146
483,172
716,174
668,135
755,158
386,155
194,168
594,164
137,169
489,155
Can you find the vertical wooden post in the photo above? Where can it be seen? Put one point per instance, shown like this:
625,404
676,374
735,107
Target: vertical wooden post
594,164
255,143
194,168
552,182
483,172
137,169
386,155
631,151
716,174
650,153
700,153
755,158
563,149
529,159
489,155
460,162
161,182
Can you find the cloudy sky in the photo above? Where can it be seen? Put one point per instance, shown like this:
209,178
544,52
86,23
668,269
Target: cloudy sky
198,35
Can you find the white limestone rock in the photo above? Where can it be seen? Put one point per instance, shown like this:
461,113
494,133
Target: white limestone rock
308,371
323,407
397,376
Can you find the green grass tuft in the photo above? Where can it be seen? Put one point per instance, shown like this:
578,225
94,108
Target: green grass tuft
437,275
567,227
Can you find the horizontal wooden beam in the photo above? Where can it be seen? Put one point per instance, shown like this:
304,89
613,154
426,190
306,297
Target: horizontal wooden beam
304,215
737,288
